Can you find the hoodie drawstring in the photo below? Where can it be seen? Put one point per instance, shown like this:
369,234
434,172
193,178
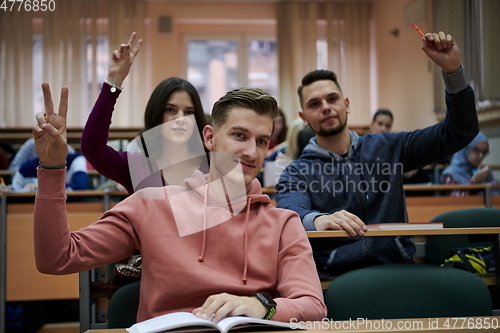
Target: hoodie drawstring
245,239
200,258
245,243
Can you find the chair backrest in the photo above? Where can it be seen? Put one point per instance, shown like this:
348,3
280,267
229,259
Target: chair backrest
437,248
395,291
123,306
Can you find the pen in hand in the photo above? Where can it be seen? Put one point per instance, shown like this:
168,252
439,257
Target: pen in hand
423,35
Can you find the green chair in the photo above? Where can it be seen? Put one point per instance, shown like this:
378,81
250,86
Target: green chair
395,291
123,306
437,248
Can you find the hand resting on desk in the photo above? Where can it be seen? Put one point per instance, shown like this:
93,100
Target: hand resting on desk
341,220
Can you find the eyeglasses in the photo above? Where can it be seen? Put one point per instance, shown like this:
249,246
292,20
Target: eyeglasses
478,151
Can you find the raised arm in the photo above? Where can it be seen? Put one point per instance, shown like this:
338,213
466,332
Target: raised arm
104,159
56,250
460,125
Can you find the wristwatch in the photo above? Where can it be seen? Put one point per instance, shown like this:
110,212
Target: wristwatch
268,302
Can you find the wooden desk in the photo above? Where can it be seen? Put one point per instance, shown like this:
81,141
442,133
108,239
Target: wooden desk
409,232
19,278
493,232
424,208
449,187
425,187
19,135
436,325
4,172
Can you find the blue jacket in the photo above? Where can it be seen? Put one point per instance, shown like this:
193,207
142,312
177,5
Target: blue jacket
368,182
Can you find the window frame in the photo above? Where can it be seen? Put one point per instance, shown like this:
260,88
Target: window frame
242,40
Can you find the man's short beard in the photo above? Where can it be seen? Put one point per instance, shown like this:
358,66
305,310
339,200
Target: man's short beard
330,132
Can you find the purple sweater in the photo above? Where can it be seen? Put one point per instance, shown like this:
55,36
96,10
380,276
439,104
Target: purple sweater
108,162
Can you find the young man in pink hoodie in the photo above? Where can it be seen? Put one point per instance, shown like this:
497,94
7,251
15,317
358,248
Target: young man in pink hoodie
214,247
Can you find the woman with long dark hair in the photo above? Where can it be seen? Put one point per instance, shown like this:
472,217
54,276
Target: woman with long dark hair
168,150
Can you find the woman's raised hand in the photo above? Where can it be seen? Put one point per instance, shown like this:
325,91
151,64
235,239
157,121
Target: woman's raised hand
122,59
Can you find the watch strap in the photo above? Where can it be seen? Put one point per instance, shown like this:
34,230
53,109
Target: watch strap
268,303
270,313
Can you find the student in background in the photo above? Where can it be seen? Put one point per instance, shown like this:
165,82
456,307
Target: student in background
174,111
76,176
7,153
279,132
4,159
289,148
305,135
382,121
467,165
343,181
284,153
27,152
209,246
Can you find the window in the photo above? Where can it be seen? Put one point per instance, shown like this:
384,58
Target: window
475,25
488,25
73,50
262,66
37,74
216,66
97,59
94,64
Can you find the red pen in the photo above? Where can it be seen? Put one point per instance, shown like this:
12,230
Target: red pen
423,35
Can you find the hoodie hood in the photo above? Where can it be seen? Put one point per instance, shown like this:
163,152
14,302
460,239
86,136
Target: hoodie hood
199,181
313,150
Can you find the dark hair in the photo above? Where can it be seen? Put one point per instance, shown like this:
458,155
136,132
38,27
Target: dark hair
254,99
317,75
383,112
155,109
282,135
153,116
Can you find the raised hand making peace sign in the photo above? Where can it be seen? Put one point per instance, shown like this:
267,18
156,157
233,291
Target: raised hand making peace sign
50,131
122,60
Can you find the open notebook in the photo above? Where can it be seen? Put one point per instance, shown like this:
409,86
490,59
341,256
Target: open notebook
185,321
